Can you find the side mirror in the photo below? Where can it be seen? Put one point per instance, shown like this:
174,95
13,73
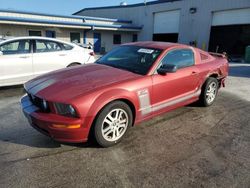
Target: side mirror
168,68
1,53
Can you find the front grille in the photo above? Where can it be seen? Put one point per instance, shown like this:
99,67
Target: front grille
38,102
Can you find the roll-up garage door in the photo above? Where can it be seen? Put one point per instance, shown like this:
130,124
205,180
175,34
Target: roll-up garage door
231,17
166,26
230,31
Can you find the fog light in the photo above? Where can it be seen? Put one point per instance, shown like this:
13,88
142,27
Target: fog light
76,126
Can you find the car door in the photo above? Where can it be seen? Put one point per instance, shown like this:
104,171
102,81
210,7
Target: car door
48,56
15,62
75,54
174,88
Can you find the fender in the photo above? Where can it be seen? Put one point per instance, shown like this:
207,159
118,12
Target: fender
108,96
207,76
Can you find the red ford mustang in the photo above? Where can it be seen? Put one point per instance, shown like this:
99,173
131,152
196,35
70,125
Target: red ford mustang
130,84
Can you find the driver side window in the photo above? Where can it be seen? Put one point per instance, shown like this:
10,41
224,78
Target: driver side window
16,47
181,58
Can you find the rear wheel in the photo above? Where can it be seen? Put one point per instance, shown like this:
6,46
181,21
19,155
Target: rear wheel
112,123
209,92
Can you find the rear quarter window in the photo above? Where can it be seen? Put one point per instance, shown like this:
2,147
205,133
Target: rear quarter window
67,47
203,57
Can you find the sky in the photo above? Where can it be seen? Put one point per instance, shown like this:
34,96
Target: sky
62,7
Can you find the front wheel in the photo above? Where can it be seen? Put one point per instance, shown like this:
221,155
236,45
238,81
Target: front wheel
209,92
112,123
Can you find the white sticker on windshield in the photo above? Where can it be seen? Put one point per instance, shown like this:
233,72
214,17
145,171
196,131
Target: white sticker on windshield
147,51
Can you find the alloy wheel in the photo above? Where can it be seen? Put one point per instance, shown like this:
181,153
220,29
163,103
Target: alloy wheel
115,125
211,92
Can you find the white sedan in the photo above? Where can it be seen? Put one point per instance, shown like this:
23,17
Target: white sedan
24,58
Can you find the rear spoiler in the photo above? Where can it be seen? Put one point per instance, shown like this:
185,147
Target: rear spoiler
223,55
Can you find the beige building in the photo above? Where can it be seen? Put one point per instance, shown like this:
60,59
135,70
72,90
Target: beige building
103,33
214,25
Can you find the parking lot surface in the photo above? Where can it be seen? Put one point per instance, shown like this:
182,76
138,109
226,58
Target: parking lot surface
189,147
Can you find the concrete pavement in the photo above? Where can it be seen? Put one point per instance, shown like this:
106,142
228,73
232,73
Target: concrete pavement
188,147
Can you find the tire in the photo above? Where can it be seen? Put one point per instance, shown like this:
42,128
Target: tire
209,92
73,64
112,123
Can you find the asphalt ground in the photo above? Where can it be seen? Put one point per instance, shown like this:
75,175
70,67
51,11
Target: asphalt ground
188,147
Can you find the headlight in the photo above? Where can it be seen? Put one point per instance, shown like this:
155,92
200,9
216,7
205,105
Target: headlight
45,105
40,103
65,109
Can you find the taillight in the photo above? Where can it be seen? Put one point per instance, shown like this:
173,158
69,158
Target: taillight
92,53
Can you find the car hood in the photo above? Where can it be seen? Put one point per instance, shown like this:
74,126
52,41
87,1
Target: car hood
66,84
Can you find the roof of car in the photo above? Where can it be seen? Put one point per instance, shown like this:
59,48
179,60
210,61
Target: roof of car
34,37
157,45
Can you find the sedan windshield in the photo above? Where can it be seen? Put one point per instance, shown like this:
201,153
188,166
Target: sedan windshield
131,58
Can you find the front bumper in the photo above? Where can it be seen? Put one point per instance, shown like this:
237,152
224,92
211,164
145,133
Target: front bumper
43,123
222,82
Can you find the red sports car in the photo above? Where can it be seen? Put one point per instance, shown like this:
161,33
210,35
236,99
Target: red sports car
130,84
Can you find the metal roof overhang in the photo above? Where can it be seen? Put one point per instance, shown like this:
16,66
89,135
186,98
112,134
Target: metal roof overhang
64,16
127,6
51,23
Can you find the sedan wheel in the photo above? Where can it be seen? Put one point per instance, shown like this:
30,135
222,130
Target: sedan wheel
112,123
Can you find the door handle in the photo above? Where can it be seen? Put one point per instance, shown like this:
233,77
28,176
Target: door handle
24,57
62,54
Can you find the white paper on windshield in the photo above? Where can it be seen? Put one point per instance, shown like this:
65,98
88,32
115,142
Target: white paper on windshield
146,51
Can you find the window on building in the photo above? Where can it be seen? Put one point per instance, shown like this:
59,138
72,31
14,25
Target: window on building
135,38
75,37
181,58
16,47
50,34
35,33
117,39
47,46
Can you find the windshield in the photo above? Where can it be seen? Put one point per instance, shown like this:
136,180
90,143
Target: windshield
131,58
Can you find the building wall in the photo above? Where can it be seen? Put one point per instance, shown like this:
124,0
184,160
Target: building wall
107,38
18,31
193,27
64,34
